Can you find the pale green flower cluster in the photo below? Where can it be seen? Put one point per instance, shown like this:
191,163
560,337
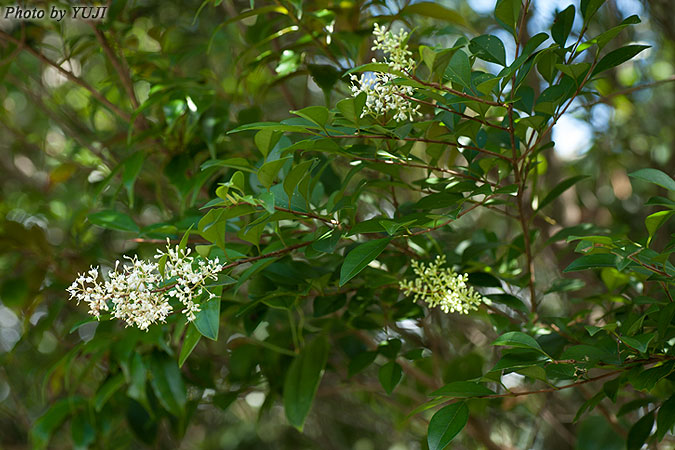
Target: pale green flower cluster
381,96
442,287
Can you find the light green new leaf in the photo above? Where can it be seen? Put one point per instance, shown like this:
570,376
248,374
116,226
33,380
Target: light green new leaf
489,48
302,380
360,257
519,340
654,176
446,424
655,221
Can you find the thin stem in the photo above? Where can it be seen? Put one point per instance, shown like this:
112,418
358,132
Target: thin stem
445,108
411,139
441,87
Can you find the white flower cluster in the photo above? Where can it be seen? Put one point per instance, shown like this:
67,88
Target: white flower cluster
442,287
381,96
139,293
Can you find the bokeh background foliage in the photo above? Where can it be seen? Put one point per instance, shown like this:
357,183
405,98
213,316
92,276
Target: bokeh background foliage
108,136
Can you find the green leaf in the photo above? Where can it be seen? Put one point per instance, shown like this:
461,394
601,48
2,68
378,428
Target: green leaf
592,262
507,13
519,340
107,390
655,221
390,375
360,362
435,11
446,424
207,321
302,380
666,418
559,189
640,342
589,7
459,69
562,25
233,163
266,139
167,383
618,56
462,389
45,425
113,220
360,257
268,171
190,340
296,174
317,114
638,433
351,108
132,167
510,301
489,48
654,176
184,240
82,431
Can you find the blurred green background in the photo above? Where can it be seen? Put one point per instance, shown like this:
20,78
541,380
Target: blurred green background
156,87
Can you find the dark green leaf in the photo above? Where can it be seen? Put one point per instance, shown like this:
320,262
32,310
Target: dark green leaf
562,25
519,340
618,56
507,13
390,375
559,189
167,383
446,424
360,257
489,48
190,340
666,418
459,69
302,380
592,262
639,432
